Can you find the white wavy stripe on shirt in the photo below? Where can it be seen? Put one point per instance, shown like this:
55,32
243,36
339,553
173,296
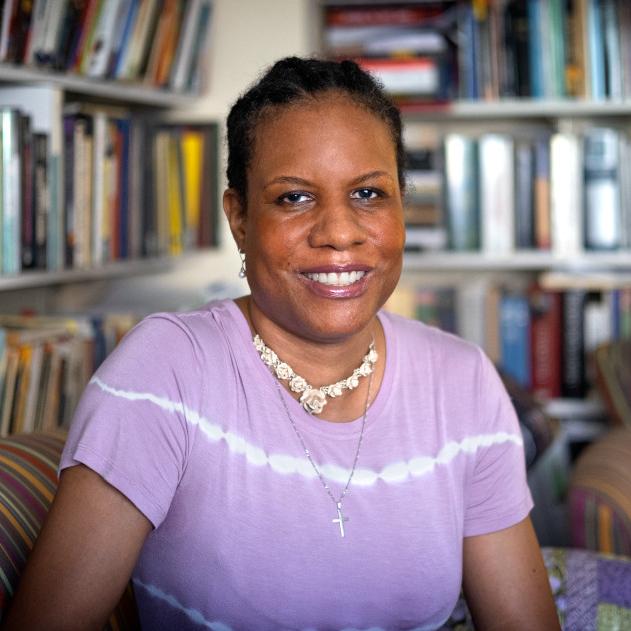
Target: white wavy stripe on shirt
287,464
194,614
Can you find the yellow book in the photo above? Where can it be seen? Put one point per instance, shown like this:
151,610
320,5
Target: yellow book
192,143
24,380
174,185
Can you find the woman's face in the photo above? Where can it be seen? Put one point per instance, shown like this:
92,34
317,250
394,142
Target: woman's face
323,229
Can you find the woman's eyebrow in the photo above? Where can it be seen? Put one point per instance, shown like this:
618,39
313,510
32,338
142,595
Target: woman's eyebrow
371,176
289,179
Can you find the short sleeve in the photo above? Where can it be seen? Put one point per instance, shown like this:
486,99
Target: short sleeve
133,421
497,493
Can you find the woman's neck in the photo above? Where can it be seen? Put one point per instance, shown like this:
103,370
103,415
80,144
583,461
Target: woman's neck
323,363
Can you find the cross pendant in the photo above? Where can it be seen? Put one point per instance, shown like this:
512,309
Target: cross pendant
340,518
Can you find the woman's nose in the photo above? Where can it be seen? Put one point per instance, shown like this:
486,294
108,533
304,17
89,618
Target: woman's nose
337,226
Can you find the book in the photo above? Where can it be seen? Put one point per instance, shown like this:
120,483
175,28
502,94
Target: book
596,50
545,342
524,195
602,189
405,77
198,71
41,199
497,193
566,194
96,57
542,217
461,192
184,54
27,185
11,191
515,336
573,377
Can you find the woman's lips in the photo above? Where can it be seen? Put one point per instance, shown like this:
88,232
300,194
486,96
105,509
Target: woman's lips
344,284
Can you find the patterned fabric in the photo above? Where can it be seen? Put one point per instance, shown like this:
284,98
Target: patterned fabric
592,592
600,495
28,481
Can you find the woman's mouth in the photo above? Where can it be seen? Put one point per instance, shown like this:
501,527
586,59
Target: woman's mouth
341,279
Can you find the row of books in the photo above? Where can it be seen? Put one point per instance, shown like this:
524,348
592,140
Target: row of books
46,362
409,47
164,43
130,189
586,46
497,193
542,338
483,49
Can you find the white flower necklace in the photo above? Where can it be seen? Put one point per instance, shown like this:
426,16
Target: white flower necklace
314,399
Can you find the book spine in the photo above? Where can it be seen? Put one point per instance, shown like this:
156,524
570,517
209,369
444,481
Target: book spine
461,192
545,343
497,193
42,197
602,189
573,384
11,192
515,337
596,47
524,195
566,194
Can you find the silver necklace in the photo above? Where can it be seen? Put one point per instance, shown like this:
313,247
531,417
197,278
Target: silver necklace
314,399
340,519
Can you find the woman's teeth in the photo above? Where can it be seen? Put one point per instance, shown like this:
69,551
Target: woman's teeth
332,278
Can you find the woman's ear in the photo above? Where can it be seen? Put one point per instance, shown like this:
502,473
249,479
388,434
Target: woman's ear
234,209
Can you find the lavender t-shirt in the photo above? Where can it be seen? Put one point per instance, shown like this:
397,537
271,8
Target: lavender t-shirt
187,422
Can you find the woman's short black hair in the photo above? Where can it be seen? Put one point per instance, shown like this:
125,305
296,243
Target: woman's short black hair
294,79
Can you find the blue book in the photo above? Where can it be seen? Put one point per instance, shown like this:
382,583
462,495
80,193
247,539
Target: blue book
596,48
515,337
535,49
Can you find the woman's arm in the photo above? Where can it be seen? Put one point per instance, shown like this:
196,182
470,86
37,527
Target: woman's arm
83,558
506,583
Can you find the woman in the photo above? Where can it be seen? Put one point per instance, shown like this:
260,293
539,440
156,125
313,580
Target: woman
296,459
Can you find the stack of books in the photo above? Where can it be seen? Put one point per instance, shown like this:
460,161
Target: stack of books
46,362
407,47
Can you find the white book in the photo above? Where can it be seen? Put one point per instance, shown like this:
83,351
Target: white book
601,171
98,186
471,304
11,192
185,49
566,194
52,29
39,18
104,36
497,193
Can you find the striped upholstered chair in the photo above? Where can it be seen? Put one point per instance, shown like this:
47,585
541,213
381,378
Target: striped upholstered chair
28,480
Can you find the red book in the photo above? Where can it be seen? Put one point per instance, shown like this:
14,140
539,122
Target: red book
381,15
545,342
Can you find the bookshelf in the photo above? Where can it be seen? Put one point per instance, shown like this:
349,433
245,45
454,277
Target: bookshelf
99,183
480,110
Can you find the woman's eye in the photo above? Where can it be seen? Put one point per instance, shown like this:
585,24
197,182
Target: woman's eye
365,193
294,198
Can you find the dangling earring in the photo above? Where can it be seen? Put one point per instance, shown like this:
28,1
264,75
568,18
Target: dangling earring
242,270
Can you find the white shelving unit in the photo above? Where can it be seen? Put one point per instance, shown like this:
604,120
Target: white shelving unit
111,91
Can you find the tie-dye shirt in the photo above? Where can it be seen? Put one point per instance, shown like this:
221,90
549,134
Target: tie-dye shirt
186,421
